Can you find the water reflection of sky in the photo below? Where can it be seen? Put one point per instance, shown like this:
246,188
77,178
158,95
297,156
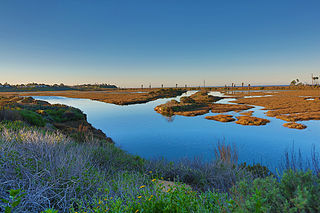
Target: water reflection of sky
140,130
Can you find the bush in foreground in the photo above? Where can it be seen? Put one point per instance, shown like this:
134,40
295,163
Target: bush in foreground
45,171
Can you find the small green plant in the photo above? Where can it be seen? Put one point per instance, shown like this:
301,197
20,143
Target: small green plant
50,211
14,200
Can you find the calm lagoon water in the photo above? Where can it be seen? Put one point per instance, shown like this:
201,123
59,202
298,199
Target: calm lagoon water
139,130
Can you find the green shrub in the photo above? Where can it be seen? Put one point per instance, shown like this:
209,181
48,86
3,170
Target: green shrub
301,190
57,173
296,191
13,125
14,200
64,114
32,118
153,198
257,170
111,157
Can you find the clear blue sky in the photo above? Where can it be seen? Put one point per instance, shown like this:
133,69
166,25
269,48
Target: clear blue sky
135,42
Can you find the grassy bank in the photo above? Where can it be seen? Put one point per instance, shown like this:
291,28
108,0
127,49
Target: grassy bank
114,96
45,170
69,120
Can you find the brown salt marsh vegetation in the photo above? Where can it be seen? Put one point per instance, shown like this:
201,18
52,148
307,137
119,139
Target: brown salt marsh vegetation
197,104
243,120
251,121
248,113
295,105
114,96
221,108
287,103
294,125
221,118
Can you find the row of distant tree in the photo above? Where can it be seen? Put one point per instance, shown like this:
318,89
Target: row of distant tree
46,87
95,86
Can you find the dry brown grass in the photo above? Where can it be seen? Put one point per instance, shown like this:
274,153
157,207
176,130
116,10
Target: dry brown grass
251,121
221,118
289,105
294,125
198,111
114,96
300,116
248,113
226,153
199,103
220,108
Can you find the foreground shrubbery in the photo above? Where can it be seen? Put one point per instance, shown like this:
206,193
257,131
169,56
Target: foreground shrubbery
42,170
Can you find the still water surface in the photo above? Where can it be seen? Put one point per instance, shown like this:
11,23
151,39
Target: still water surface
139,130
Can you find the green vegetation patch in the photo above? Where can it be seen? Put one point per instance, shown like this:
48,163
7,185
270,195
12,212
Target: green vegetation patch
32,118
64,114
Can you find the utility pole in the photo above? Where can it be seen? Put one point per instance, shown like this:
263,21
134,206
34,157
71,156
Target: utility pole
204,83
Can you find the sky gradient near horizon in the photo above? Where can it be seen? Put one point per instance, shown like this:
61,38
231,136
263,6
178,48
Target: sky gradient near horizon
129,43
